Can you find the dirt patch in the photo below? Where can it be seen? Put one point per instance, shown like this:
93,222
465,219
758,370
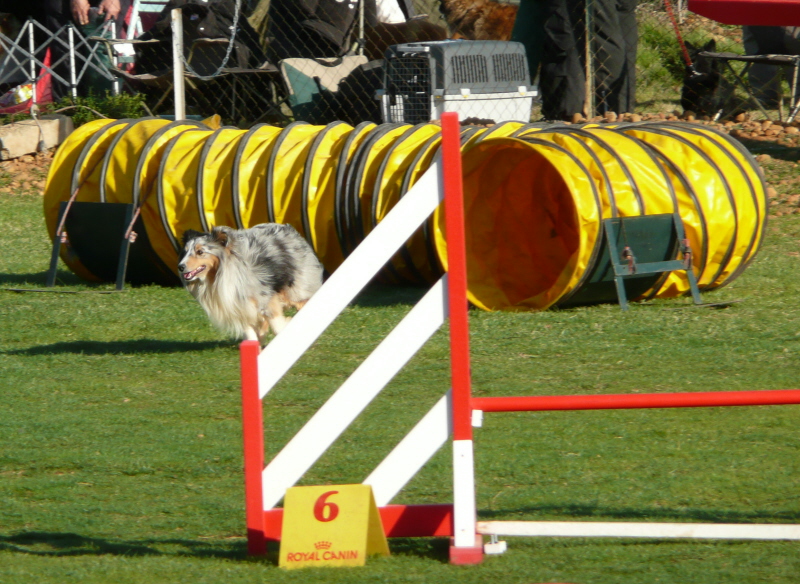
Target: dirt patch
25,175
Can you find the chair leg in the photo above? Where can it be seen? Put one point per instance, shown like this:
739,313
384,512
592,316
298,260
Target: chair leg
795,98
746,86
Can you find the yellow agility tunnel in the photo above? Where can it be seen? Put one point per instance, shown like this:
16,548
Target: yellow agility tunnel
535,195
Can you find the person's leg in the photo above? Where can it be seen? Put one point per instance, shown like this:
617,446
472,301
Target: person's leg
608,49
791,43
92,81
562,79
630,34
764,79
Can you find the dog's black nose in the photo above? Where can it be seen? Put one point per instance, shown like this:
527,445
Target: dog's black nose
182,267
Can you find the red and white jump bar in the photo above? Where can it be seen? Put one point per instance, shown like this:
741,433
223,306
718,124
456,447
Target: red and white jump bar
452,415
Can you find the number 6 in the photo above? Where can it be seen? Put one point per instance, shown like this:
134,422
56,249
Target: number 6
321,505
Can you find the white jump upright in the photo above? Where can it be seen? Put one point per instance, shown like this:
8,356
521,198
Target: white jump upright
265,485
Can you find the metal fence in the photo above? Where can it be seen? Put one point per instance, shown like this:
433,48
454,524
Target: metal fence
318,61
66,58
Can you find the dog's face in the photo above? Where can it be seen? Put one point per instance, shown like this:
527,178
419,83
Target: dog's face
202,254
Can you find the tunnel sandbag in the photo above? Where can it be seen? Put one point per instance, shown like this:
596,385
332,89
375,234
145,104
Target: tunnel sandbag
151,259
715,201
145,187
130,169
630,183
606,181
58,188
86,225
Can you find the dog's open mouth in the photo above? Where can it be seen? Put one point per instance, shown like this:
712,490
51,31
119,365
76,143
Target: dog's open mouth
193,273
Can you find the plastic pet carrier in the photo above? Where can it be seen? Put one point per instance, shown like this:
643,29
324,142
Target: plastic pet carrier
487,80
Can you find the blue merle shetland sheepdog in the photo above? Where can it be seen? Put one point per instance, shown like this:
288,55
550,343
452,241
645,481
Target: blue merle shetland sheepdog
245,278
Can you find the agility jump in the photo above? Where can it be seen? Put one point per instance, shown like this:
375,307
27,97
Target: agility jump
455,413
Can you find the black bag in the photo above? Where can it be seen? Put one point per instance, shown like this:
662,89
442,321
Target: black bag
201,20
356,95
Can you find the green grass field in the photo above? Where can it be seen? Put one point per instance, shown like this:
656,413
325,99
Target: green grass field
121,456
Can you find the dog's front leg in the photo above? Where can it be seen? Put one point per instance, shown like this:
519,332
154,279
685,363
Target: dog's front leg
251,334
274,314
278,322
263,331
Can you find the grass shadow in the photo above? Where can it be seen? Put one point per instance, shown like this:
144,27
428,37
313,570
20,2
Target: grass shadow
63,278
594,512
132,347
433,548
775,150
377,295
54,544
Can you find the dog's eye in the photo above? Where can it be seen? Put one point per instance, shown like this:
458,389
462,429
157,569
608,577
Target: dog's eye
199,252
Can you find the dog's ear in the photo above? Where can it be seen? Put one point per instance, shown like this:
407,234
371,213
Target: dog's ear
710,46
221,236
189,235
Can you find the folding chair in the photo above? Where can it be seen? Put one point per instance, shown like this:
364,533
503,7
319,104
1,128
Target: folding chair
242,91
792,61
314,83
18,57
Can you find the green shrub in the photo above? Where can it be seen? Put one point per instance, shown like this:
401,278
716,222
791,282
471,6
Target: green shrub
659,54
86,109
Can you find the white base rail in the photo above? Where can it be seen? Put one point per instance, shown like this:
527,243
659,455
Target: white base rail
629,529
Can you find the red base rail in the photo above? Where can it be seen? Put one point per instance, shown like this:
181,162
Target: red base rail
398,521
